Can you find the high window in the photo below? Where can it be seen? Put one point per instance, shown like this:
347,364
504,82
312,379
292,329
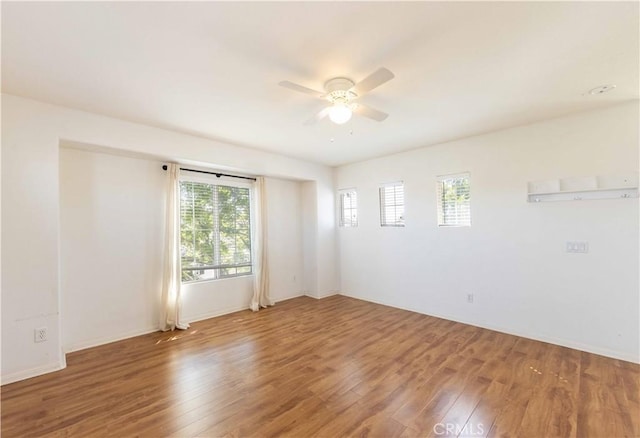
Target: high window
454,206
215,230
392,205
348,208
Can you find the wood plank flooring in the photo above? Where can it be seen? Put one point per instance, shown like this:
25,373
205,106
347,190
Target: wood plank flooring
329,368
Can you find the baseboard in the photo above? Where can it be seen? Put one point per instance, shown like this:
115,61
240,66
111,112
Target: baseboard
209,315
33,372
108,340
289,298
330,294
549,340
63,358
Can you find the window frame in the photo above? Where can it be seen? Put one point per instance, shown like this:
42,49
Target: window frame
383,206
342,193
229,182
440,180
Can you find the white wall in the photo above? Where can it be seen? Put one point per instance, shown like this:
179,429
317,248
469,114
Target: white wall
31,135
513,257
309,238
29,245
111,240
326,276
284,213
111,232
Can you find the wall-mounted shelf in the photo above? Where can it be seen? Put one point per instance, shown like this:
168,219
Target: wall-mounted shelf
584,188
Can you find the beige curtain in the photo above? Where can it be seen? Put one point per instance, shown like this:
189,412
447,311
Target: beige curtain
261,296
170,311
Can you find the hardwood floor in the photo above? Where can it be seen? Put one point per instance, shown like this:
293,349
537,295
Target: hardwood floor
329,368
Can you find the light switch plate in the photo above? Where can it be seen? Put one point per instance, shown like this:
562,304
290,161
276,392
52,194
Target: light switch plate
579,247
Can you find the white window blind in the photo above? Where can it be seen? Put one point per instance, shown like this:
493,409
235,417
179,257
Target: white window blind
454,206
392,205
348,208
215,231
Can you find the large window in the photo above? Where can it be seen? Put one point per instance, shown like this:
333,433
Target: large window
392,205
348,208
215,231
454,206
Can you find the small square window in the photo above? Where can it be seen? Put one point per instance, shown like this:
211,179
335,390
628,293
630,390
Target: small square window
392,205
454,207
348,208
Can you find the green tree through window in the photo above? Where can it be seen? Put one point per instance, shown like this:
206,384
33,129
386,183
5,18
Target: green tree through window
454,207
215,231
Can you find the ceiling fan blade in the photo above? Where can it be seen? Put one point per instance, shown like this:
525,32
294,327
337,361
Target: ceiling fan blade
321,115
371,113
301,89
372,81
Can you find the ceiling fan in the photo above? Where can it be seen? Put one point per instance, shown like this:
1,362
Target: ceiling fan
341,94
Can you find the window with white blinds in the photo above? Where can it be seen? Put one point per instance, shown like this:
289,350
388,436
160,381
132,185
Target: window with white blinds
392,205
348,208
215,231
454,207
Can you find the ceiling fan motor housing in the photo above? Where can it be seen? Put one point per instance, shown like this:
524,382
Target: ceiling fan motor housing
338,90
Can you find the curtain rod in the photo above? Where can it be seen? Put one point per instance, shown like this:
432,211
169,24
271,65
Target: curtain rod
217,174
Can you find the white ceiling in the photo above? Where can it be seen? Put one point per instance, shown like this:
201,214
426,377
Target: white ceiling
212,69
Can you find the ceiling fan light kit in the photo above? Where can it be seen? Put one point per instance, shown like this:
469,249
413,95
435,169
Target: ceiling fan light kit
340,113
339,95
341,92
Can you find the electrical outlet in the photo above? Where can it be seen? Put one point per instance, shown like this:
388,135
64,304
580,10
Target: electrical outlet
578,247
469,298
40,334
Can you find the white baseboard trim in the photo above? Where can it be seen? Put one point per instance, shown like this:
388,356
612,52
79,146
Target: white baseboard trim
90,343
330,294
33,372
614,354
209,315
63,358
289,298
